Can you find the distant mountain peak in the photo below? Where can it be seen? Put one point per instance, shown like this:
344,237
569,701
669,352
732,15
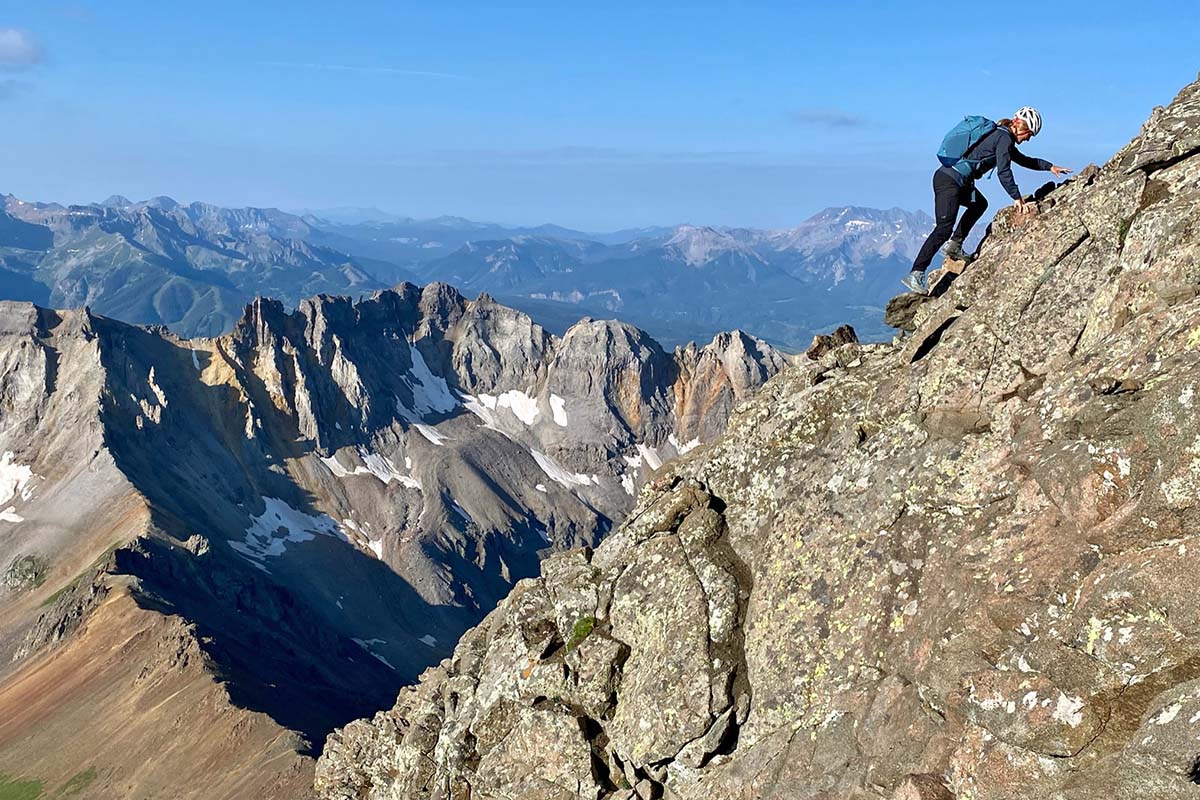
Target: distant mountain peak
698,245
349,215
447,221
851,213
162,203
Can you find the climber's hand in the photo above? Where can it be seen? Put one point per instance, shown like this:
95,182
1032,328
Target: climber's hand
1060,171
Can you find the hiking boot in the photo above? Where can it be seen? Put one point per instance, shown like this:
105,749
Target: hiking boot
915,282
954,251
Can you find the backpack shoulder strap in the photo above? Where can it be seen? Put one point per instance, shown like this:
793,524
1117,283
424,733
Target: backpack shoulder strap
979,141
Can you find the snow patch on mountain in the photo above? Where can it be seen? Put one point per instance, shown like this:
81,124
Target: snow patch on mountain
432,434
14,480
684,447
559,408
367,644
338,470
386,471
523,406
375,464
519,403
279,525
854,233
650,456
482,406
560,475
431,393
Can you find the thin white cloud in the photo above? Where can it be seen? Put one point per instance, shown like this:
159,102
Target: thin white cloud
420,73
76,11
827,118
10,88
570,154
19,50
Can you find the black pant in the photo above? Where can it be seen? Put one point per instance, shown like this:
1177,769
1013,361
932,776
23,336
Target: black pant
947,197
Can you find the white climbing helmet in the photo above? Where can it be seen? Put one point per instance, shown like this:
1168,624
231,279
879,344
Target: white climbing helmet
1032,119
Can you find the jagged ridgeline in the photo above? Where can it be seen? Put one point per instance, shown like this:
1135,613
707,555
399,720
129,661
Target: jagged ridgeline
960,566
214,551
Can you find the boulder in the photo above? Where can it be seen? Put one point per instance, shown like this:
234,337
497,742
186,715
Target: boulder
823,343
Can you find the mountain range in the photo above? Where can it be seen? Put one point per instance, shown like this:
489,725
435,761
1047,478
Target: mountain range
192,267
784,285
215,550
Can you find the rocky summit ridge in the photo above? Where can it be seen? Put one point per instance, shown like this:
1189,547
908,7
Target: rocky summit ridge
957,566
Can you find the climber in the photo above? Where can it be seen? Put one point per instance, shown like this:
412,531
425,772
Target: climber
973,147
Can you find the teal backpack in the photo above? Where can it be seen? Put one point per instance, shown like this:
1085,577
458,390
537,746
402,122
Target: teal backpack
959,141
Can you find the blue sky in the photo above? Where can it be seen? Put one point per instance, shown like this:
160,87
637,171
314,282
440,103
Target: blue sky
598,116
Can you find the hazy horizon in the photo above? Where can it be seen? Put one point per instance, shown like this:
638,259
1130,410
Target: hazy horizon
384,215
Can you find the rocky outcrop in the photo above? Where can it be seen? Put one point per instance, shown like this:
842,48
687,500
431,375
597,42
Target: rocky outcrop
826,342
956,566
552,672
713,379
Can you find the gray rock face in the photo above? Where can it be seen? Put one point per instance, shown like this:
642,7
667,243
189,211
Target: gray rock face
565,430
959,565
650,621
330,495
824,344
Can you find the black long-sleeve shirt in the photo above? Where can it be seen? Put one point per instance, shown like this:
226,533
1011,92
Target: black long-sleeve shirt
998,150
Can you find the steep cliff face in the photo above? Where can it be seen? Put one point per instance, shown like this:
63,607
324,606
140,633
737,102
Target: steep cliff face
63,501
956,566
315,506
81,659
440,430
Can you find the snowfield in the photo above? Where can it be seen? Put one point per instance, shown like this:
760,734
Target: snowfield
278,526
14,480
559,475
431,394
